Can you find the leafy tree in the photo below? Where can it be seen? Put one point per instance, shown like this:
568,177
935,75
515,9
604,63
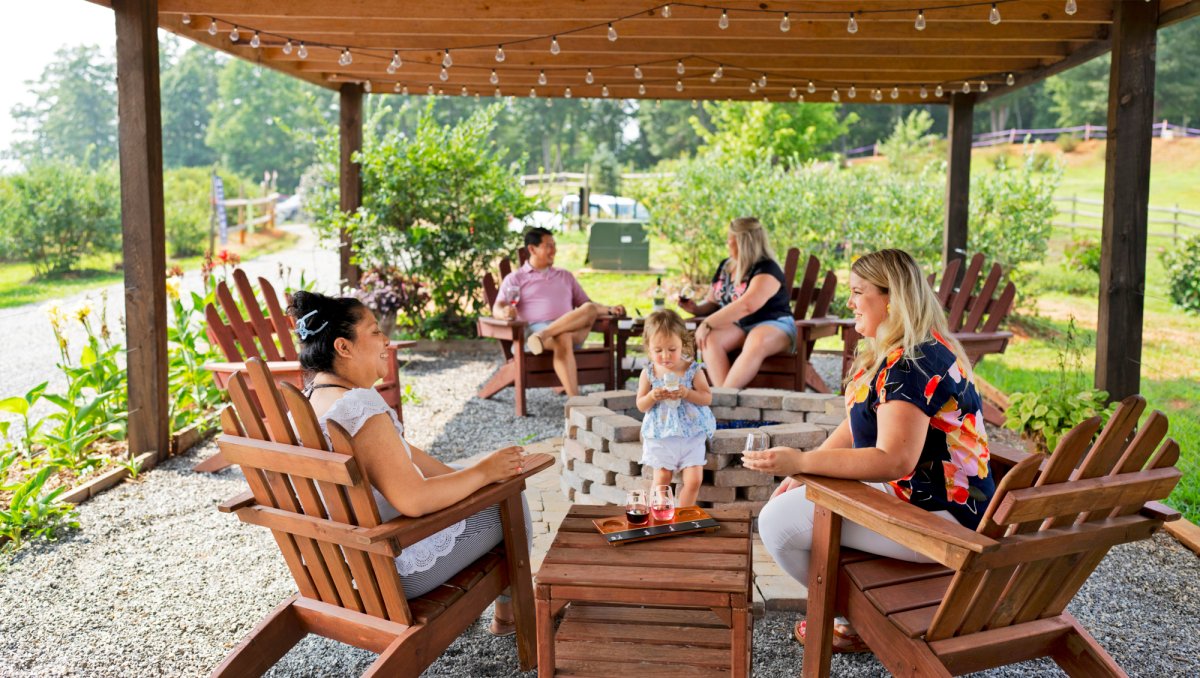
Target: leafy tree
1177,90
74,114
189,88
1080,95
910,146
666,130
788,132
254,117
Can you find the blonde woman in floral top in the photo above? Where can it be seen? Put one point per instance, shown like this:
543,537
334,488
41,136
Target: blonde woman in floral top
914,426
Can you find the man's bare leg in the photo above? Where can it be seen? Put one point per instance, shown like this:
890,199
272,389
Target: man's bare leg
579,319
563,348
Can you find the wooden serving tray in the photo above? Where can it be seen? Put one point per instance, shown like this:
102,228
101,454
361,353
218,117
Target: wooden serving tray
688,520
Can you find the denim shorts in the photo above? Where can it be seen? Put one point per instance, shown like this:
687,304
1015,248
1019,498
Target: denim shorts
786,324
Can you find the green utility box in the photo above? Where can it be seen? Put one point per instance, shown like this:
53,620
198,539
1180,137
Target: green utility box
619,246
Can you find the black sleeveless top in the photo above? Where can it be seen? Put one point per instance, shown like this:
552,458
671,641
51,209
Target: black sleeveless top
778,306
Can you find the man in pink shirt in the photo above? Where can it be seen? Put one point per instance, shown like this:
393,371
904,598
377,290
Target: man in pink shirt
558,311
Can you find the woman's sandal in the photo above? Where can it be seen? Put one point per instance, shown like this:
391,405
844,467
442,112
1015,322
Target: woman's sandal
844,639
502,627
535,343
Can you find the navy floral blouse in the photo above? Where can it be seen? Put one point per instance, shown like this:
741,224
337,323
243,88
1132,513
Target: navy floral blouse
953,473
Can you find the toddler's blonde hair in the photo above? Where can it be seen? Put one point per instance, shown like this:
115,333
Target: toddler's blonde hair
667,322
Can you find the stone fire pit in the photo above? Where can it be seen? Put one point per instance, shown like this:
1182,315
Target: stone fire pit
602,443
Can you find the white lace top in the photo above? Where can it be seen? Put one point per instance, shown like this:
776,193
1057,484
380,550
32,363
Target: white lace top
352,411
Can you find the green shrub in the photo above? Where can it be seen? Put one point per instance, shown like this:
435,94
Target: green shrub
55,212
1183,273
187,196
1067,142
1082,254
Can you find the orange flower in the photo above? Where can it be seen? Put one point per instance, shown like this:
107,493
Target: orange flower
931,387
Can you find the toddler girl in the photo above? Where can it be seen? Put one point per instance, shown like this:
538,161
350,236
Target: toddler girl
674,395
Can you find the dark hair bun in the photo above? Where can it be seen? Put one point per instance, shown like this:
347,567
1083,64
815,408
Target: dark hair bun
333,318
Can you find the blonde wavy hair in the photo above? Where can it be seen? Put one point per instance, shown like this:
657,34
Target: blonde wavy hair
752,247
914,314
667,322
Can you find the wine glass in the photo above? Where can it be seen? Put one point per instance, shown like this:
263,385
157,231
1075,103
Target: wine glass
637,510
671,383
756,441
513,296
662,503
688,291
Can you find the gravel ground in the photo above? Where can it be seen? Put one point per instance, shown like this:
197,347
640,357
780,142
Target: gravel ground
157,582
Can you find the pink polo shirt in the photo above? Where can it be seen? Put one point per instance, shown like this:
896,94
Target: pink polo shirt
546,295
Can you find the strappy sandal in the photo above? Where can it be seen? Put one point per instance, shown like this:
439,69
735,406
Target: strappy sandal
535,343
844,640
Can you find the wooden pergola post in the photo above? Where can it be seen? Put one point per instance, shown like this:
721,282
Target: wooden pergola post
350,174
139,131
958,178
1126,196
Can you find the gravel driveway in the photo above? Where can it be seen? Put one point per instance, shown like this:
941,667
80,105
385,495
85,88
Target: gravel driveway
157,582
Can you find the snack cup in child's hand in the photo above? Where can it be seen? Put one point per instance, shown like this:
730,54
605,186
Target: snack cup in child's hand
671,383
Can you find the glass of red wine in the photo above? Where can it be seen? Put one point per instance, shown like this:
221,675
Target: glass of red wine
637,508
662,503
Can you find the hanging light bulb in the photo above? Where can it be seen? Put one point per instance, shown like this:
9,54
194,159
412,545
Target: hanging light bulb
895,92
345,59
604,90
499,53
1071,8
447,61
255,41
938,91
549,102
753,87
567,93
404,90
443,75
983,86
429,91
994,15
924,92
966,88
852,92
395,63
835,96
719,73
612,33
785,24
477,96
302,52
367,87
494,79
919,24
678,85
766,100
234,35
396,88
212,27
186,19
852,25
1010,80
877,95
762,80
695,104
666,11
800,99
496,93
642,90
532,93
679,67
723,23
793,93
287,47
554,48
589,78
637,72
541,77
812,87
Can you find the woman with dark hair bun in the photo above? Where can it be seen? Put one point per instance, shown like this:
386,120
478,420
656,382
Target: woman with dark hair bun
344,353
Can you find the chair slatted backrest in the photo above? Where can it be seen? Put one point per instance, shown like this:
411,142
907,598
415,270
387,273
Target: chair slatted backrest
290,469
965,308
812,300
253,336
1056,524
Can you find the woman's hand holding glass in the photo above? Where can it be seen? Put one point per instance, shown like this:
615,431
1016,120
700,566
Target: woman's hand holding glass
777,461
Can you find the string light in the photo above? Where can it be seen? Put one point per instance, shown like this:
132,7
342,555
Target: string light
924,92
604,90
983,86
404,90
678,85
589,78
877,95
852,26
567,93
641,90
367,87
695,104
255,41
302,52
396,88
447,61
939,91
895,92
496,93
541,77
1010,80
800,99
679,67
554,48
762,80
494,79
724,21
287,47
994,15
835,96
766,100
966,88
812,88
920,22
429,91
443,75
186,19
212,27
499,53
1071,8
666,11
612,33
719,73
785,24
346,59
793,93
753,87
637,72
532,93
234,35
852,92
394,64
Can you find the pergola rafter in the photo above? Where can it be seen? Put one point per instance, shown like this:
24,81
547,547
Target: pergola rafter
958,49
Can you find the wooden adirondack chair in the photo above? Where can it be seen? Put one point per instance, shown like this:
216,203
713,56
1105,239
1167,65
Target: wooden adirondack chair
270,339
997,595
319,506
521,370
810,307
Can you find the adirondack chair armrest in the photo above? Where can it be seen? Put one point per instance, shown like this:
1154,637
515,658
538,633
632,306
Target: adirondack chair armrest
1007,456
1159,511
499,328
816,328
401,344
944,541
405,532
966,338
236,502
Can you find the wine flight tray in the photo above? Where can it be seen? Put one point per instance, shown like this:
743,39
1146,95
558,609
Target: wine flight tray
688,520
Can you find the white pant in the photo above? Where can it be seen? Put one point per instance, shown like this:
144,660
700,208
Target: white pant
786,527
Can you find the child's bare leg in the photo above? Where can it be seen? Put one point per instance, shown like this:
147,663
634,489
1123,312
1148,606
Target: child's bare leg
693,476
662,476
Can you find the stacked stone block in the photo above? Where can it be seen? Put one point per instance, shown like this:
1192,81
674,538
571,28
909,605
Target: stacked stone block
602,448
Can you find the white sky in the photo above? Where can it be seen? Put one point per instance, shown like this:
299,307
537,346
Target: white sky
34,31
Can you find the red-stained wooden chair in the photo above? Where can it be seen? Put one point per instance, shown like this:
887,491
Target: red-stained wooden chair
996,595
521,370
319,505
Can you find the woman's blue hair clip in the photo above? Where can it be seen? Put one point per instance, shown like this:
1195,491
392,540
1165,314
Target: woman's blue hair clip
302,326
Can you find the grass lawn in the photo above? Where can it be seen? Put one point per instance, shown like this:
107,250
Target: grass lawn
18,286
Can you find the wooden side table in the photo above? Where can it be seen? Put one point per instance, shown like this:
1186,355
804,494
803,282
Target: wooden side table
674,606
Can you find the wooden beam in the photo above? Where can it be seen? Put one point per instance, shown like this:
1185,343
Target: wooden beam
1126,197
1180,12
1078,57
958,177
350,175
139,134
